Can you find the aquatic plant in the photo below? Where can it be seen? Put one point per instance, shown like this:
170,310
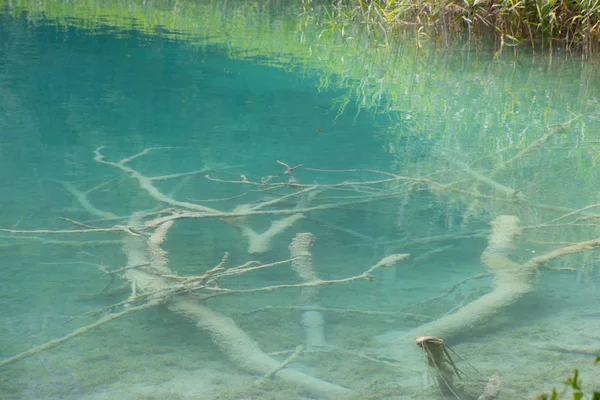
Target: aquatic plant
572,25
574,383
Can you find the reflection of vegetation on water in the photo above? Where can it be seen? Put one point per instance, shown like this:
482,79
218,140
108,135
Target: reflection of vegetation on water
508,126
518,129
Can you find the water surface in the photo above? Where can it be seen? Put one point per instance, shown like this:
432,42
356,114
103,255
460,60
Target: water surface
497,136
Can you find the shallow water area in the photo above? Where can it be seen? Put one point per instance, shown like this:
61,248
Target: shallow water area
474,163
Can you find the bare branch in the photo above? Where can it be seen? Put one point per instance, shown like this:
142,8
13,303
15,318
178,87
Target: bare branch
53,343
146,183
367,275
60,231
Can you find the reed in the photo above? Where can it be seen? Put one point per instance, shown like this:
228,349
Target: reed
540,24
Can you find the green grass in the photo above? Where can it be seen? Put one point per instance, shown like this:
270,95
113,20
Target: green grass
573,25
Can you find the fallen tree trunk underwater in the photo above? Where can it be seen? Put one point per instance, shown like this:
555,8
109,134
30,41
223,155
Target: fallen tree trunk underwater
153,282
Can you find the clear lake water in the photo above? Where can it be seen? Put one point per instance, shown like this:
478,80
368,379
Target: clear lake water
476,134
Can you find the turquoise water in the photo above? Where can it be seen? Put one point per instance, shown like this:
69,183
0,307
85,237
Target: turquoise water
484,132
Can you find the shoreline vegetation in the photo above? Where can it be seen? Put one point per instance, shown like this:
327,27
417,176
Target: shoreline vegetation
542,26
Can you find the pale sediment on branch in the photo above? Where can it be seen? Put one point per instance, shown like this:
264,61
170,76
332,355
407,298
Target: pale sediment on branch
245,352
67,243
86,203
300,251
158,257
259,243
242,350
511,282
390,261
312,320
147,262
505,229
303,265
281,366
492,389
146,183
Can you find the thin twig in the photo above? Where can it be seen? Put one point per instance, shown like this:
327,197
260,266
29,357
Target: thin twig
75,333
343,311
447,292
